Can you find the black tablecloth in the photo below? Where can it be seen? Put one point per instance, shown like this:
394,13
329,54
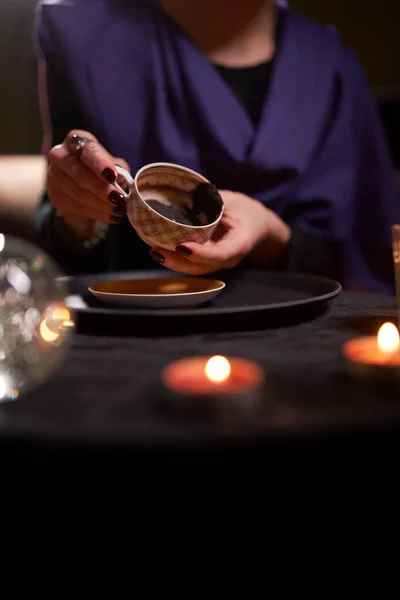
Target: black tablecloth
104,397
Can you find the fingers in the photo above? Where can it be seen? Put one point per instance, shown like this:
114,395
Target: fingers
83,211
172,260
94,156
197,259
225,253
78,173
68,198
81,183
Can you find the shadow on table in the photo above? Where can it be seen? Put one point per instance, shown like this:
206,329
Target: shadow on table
160,325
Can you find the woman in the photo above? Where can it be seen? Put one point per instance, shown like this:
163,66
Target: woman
269,106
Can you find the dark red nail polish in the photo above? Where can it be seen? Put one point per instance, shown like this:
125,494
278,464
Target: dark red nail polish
157,256
116,198
183,251
109,175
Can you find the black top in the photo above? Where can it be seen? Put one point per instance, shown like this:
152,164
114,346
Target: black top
250,85
305,253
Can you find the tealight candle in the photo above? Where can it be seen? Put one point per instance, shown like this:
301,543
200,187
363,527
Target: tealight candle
213,383
375,356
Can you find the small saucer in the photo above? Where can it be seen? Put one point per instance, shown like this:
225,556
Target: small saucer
174,292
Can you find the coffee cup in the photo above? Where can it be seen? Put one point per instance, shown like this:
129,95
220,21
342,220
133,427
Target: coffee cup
169,205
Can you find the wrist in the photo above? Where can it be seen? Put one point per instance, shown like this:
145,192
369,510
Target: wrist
273,239
81,229
77,236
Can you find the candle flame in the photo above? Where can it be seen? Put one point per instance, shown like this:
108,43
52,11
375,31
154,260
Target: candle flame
60,313
218,369
68,324
57,319
47,334
388,338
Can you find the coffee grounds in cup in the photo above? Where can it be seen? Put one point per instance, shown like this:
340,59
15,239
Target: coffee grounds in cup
207,203
178,214
207,206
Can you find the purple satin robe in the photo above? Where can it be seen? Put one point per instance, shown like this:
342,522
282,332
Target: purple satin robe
125,71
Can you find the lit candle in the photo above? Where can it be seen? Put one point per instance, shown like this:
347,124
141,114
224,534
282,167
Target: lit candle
375,356
216,383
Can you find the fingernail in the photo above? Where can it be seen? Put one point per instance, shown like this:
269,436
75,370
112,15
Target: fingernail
116,219
157,256
109,175
119,210
116,198
183,250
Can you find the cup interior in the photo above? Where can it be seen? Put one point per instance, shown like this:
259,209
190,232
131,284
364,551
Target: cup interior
179,195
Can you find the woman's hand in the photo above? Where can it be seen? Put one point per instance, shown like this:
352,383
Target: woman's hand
81,189
247,229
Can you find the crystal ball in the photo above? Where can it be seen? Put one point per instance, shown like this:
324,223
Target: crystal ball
35,324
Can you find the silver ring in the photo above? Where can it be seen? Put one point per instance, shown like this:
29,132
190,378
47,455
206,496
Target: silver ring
77,144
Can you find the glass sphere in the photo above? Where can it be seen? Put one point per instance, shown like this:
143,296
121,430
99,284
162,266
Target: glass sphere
35,323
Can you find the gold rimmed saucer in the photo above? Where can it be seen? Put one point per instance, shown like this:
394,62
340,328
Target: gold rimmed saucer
174,292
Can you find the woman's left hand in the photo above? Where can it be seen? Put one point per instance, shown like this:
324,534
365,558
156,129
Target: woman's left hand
247,229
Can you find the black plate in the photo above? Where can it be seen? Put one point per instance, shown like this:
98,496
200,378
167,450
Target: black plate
252,299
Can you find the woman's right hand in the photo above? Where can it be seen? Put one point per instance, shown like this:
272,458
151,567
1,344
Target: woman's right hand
81,188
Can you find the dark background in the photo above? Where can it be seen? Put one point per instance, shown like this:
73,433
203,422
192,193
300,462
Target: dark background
372,30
